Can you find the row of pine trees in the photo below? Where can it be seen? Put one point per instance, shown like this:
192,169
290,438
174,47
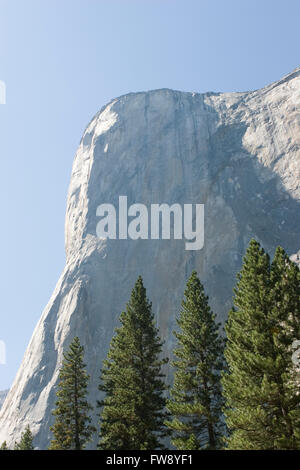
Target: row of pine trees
234,391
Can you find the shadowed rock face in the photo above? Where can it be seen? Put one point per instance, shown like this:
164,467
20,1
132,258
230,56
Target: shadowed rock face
3,394
237,153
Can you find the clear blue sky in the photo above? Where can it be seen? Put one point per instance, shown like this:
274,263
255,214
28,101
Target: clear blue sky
64,59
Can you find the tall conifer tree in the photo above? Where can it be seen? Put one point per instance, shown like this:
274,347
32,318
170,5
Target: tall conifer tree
285,384
196,404
72,428
26,442
262,403
133,414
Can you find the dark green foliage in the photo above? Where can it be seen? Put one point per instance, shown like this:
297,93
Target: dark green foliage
285,299
196,404
133,413
72,429
262,401
4,446
26,442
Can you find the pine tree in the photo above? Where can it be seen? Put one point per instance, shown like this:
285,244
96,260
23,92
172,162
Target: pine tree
72,429
26,442
196,404
285,315
4,446
133,414
262,405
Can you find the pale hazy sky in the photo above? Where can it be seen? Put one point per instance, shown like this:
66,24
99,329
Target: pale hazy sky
62,60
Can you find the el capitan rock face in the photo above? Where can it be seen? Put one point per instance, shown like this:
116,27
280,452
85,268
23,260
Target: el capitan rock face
3,394
237,153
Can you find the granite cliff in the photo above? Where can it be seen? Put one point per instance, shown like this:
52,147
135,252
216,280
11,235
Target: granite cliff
236,153
3,394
